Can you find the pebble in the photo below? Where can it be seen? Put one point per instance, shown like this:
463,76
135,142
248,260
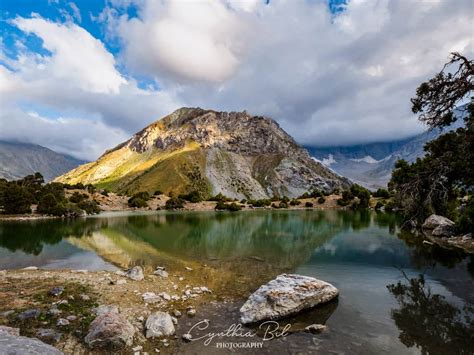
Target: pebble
186,337
137,348
54,312
30,268
161,273
176,313
56,291
191,312
81,271
62,322
71,318
165,296
188,268
84,297
181,278
315,328
28,314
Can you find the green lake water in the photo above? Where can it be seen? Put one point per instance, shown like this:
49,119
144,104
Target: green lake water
363,254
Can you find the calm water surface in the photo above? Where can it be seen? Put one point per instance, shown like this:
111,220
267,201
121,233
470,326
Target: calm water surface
397,296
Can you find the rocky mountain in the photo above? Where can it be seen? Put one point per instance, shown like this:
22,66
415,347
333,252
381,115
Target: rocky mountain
232,153
371,165
20,159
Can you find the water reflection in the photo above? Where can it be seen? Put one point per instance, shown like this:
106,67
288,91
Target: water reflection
426,320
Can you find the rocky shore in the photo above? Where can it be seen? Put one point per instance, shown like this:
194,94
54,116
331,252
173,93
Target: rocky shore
80,311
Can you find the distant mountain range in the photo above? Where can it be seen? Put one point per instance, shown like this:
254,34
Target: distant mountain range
20,159
211,152
371,165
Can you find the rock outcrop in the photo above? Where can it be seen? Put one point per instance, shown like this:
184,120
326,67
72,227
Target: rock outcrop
284,296
192,149
434,221
109,330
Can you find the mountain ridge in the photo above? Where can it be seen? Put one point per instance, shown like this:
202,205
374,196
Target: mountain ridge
233,153
18,159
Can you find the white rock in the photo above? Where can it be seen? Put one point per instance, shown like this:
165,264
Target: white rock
286,295
188,268
121,282
159,324
165,296
315,328
434,221
161,273
135,273
186,337
30,268
62,322
150,297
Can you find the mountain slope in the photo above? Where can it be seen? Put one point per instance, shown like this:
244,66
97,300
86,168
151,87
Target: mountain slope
371,165
238,155
20,159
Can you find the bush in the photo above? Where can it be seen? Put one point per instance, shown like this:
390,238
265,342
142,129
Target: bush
104,193
321,200
174,203
383,193
305,195
295,202
342,202
77,197
193,196
220,197
316,193
222,206
157,193
308,204
16,199
466,219
90,207
139,200
260,203
49,204
283,204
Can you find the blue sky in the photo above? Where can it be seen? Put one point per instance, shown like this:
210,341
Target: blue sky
82,76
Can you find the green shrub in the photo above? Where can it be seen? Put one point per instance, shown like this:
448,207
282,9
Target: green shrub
321,200
157,193
383,193
305,195
193,196
295,202
90,207
174,203
316,193
260,203
16,199
77,197
222,206
308,204
220,197
283,204
137,202
343,202
466,219
104,193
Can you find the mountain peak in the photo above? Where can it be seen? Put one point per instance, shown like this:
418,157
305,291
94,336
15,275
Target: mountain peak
193,149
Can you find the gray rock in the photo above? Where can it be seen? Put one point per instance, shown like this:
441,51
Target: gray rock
18,345
9,330
29,314
315,328
62,322
135,273
435,220
110,331
56,291
165,296
84,297
48,334
105,309
161,273
467,237
191,312
176,313
444,230
286,295
159,324
54,312
7,314
71,318
151,297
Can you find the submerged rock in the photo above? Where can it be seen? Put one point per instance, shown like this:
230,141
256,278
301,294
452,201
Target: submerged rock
159,324
286,295
434,221
19,345
135,273
110,330
315,328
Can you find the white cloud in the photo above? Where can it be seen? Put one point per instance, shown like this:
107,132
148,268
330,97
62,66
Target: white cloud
327,79
181,41
78,84
78,58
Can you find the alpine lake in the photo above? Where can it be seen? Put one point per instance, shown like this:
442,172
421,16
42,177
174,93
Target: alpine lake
397,295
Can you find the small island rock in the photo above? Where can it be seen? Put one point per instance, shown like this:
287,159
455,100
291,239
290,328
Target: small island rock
286,295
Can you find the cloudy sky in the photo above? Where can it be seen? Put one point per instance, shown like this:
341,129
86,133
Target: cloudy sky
81,76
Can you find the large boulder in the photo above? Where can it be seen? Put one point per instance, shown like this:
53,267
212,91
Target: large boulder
158,325
284,296
12,344
444,230
109,330
434,221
